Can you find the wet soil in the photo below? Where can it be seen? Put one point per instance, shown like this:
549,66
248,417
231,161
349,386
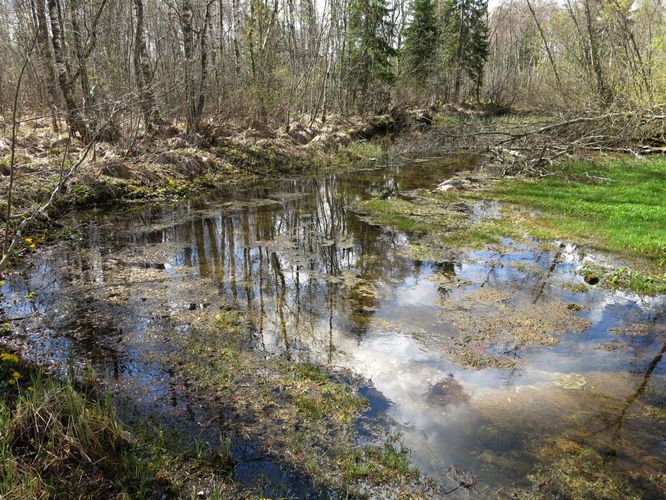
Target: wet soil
482,360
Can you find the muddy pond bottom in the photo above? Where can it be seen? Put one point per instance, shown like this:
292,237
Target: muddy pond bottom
491,364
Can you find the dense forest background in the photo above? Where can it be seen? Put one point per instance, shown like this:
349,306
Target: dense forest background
126,65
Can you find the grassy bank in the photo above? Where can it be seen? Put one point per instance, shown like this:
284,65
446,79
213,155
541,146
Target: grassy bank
182,173
617,207
59,440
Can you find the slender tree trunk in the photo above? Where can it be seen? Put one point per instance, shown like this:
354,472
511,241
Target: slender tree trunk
142,71
79,50
220,65
46,58
546,46
235,5
12,153
74,119
602,89
188,48
199,107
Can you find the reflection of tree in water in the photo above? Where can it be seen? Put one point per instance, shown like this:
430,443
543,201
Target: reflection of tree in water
276,263
617,425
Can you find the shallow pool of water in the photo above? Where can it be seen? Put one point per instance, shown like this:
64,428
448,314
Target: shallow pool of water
320,283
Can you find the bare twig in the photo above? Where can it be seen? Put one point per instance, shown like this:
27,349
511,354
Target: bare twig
12,154
41,209
534,151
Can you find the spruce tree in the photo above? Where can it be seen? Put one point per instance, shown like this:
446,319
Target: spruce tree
369,49
466,39
421,41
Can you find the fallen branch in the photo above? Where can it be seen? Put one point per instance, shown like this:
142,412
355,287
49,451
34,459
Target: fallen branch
534,151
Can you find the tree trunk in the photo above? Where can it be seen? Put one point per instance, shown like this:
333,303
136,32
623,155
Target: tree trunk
199,107
604,92
546,46
188,49
142,71
79,50
74,119
46,53
235,5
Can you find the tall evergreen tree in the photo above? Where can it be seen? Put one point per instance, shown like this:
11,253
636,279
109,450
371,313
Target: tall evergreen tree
421,41
369,49
466,41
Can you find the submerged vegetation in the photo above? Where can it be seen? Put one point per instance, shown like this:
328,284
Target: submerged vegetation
59,438
576,472
306,414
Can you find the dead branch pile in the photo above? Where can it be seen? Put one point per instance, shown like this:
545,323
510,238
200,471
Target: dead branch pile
529,150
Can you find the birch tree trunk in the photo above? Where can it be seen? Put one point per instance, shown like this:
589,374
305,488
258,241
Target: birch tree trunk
142,71
75,121
46,59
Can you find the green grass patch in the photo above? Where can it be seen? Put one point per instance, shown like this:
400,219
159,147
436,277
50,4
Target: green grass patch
623,278
58,442
365,150
616,206
311,372
377,465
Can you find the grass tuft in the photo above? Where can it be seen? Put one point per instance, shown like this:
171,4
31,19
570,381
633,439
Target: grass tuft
377,464
59,441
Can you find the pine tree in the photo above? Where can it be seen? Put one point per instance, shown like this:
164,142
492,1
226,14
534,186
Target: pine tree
466,41
421,41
